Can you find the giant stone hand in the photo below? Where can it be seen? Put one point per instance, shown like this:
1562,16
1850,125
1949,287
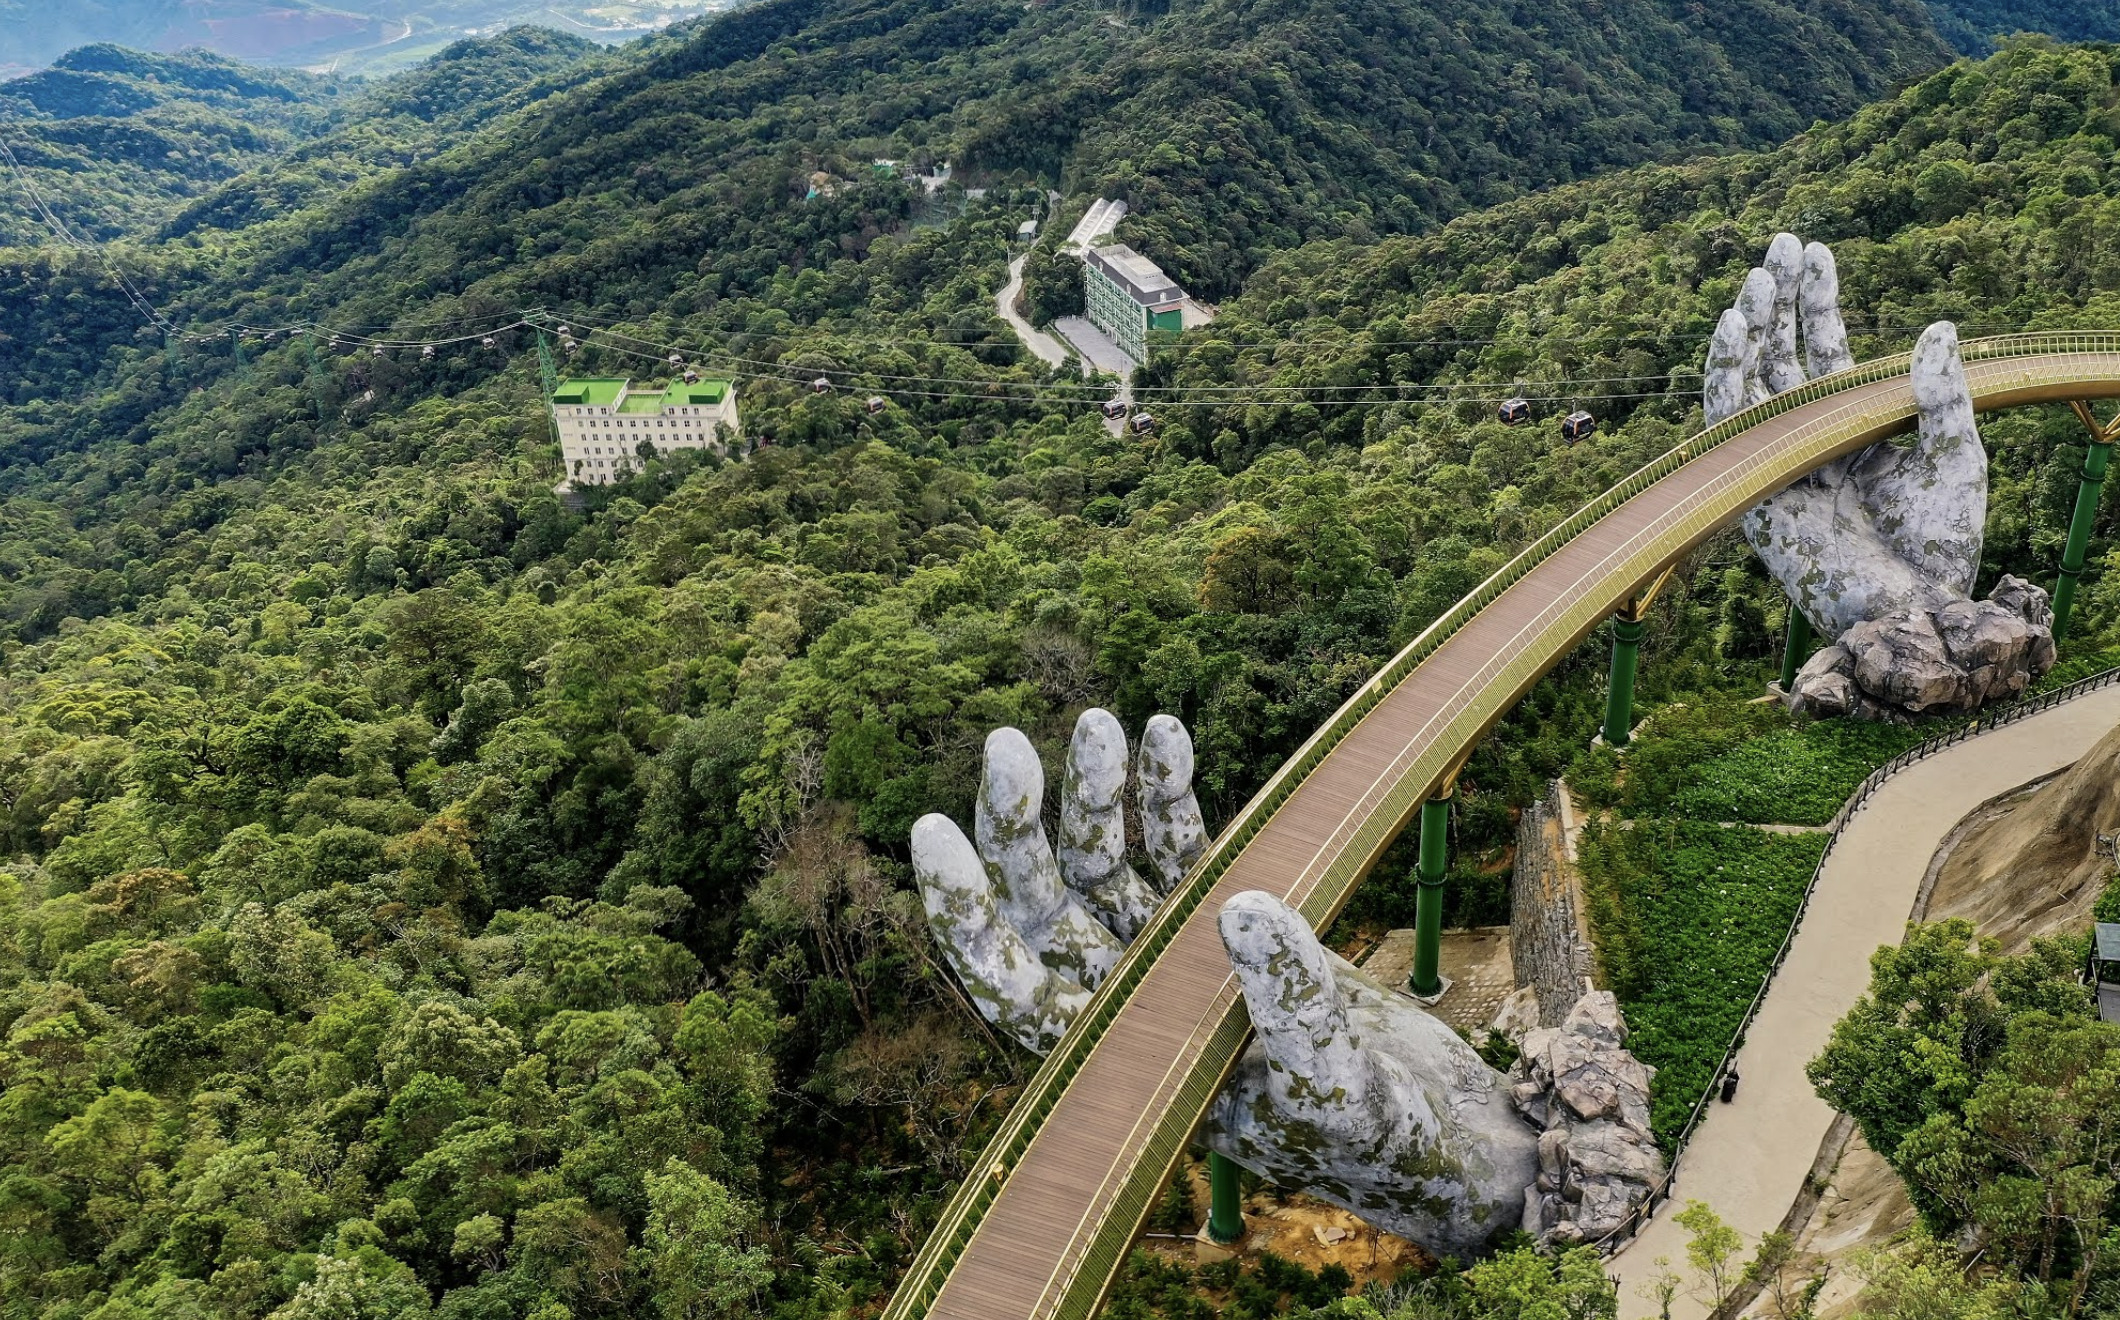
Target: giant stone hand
1350,1092
1031,932
1879,549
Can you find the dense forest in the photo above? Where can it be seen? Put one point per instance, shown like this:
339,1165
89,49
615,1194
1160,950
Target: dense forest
110,139
422,897
1973,26
116,143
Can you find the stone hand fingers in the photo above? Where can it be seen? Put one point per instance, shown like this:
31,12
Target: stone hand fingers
1009,829
1928,500
1752,355
1825,334
1356,1094
1093,827
1172,831
1008,983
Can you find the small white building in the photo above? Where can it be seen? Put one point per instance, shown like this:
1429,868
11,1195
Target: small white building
604,422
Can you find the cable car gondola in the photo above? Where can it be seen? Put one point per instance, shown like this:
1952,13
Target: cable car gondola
1143,423
1515,412
875,404
676,361
427,353
1577,426
822,385
487,342
691,375
1114,409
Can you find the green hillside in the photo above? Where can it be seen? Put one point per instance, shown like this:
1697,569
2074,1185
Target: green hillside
111,139
118,143
420,899
1973,26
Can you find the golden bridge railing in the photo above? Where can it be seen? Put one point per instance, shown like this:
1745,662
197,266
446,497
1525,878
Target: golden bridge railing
1473,710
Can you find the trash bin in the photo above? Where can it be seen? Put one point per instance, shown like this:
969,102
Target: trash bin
1729,1086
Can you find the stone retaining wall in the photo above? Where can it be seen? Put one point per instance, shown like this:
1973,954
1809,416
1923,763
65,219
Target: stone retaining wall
1548,936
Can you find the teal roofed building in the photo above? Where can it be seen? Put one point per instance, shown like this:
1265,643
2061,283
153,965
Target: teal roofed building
1128,296
604,421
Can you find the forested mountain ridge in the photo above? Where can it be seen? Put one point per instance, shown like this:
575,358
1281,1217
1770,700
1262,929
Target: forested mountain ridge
119,143
111,137
1235,126
423,900
1973,26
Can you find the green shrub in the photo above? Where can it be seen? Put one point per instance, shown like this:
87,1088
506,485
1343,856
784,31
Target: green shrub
1742,761
1688,918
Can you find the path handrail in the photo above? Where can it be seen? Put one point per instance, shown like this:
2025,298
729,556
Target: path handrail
1986,721
960,1218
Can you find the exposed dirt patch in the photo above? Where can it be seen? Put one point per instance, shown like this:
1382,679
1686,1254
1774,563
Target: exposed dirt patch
2031,865
1298,1228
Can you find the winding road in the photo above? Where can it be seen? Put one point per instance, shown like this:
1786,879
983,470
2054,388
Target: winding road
1049,350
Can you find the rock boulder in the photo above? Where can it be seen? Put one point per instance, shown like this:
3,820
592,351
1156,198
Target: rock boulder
1959,656
1597,1160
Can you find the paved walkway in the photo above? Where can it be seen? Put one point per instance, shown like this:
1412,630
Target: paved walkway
1749,1158
1048,349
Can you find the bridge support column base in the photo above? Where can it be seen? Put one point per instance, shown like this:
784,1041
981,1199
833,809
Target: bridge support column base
1427,979
1796,647
2095,459
1225,1199
1627,633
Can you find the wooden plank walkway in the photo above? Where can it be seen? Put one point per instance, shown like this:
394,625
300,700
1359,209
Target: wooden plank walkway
1031,1255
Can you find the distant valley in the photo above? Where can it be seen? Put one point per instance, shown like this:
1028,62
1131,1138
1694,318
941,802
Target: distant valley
357,36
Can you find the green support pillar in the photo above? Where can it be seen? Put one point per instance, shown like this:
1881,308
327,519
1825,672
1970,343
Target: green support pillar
1427,978
2079,526
1796,648
1627,631
1225,1214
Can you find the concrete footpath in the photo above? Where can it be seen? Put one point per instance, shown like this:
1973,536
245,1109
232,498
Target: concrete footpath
1749,1158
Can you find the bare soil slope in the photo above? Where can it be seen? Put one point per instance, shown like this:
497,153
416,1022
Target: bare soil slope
2032,866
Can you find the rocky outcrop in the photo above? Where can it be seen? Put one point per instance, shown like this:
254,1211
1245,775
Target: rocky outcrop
2035,864
1589,1096
1358,1096
1960,657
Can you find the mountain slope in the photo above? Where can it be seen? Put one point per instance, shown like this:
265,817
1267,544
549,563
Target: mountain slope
113,138
418,899
1973,26
1233,126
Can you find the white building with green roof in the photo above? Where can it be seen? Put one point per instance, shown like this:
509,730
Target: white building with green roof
603,423
1129,296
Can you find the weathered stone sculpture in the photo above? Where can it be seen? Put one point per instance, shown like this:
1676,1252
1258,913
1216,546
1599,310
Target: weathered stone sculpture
1093,825
1349,1091
1358,1096
1171,829
1878,549
1070,915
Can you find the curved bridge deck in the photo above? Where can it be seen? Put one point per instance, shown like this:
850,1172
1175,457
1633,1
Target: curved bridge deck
1044,1222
